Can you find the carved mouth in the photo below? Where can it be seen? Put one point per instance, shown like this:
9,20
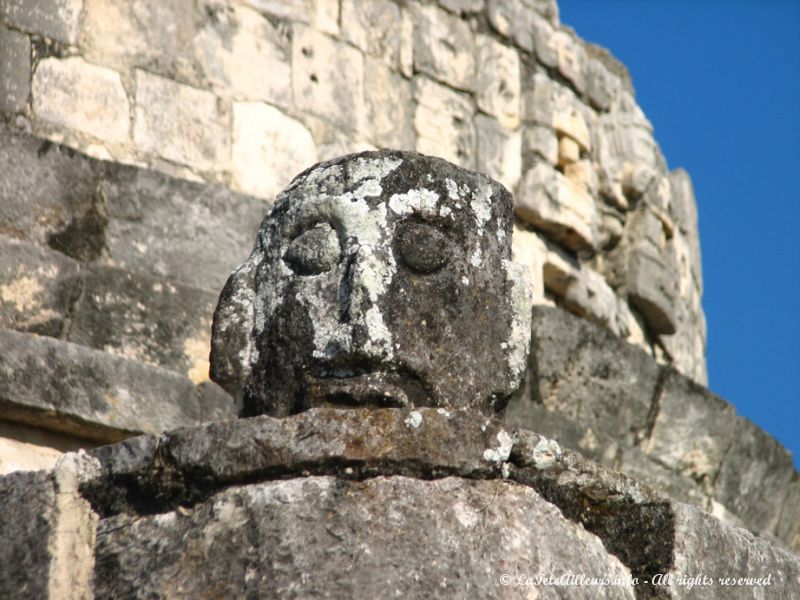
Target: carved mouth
376,388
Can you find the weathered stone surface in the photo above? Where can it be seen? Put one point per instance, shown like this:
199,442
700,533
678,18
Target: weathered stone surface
443,123
57,19
683,208
754,477
539,142
243,51
167,227
574,371
420,255
27,522
75,94
499,153
331,90
788,529
424,538
461,7
390,107
147,319
24,448
558,206
372,26
37,287
180,123
66,387
514,19
651,273
444,47
692,431
527,249
676,486
498,84
15,70
269,148
723,554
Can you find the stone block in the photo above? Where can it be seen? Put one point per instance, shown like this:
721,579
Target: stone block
498,81
25,448
56,19
692,430
328,79
247,54
390,107
754,477
499,151
69,388
571,123
74,94
180,123
460,540
568,151
558,206
539,142
443,123
158,36
588,295
147,319
269,149
444,47
372,26
515,20
683,209
528,250
601,85
37,287
462,7
587,374
28,522
194,233
715,555
788,530
646,469
333,142
15,70
571,58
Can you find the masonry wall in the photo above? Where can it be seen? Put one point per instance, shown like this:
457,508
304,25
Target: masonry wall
248,93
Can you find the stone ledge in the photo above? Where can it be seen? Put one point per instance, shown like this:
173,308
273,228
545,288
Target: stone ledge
65,387
427,471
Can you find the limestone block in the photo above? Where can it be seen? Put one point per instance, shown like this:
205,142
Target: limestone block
56,19
180,123
37,287
601,85
333,142
538,99
499,152
406,57
678,487
167,227
147,319
462,7
683,210
568,151
561,208
75,94
15,70
513,19
28,521
159,36
590,296
65,387
788,530
444,47
321,14
25,448
498,81
269,149
692,431
570,122
328,79
372,26
589,375
754,477
571,58
390,107
443,123
247,54
539,142
458,531
704,546
528,249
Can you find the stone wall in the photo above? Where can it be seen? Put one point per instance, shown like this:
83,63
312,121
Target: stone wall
248,93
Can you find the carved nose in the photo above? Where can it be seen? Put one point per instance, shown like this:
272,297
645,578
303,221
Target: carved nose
353,296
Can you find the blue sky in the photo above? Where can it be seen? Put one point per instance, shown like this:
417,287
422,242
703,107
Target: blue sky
720,81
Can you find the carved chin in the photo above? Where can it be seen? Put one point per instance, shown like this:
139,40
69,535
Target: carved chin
376,388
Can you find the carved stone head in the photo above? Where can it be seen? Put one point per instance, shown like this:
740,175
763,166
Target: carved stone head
384,279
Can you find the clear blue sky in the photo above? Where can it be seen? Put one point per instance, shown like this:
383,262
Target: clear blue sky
720,81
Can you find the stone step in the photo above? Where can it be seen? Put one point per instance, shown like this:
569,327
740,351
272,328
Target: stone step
133,218
149,319
69,388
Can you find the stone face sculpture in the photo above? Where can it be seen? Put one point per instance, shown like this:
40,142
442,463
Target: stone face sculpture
384,279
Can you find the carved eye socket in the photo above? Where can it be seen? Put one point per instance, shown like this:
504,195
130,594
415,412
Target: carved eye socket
314,251
422,247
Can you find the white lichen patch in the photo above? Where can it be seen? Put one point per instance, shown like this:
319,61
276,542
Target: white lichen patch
420,201
502,451
467,516
546,453
373,168
452,189
413,420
